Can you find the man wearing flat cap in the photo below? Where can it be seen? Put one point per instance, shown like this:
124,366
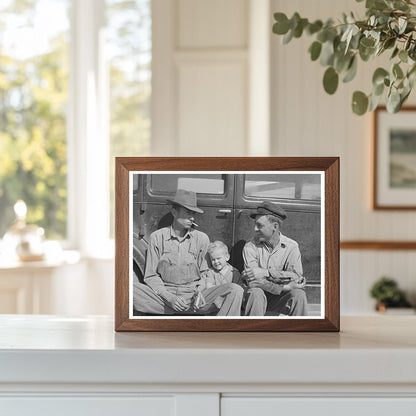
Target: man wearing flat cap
175,264
273,267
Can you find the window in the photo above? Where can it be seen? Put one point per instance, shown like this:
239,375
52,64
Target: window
128,45
33,102
75,87
199,183
281,186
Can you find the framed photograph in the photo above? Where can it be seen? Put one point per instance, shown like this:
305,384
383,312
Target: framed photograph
227,244
395,159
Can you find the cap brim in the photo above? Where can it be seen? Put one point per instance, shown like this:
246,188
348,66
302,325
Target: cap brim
259,211
266,212
191,208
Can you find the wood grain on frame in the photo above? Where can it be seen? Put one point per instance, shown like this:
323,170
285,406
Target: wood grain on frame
329,165
376,205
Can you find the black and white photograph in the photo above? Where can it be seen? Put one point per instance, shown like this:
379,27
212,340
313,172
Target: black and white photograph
214,245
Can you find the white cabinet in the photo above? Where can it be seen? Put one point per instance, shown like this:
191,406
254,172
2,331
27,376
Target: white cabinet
79,366
322,406
38,287
67,285
88,406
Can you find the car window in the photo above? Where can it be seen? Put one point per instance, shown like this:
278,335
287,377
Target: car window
283,186
213,184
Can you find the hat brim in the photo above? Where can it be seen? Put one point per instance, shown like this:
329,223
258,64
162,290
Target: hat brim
190,207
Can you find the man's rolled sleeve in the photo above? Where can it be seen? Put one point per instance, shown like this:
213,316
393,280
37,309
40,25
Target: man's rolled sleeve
250,255
151,277
202,254
294,261
252,260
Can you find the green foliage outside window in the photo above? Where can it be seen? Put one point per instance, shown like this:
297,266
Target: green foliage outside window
33,98
129,40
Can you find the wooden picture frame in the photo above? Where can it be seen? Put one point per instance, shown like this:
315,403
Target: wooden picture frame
394,159
247,178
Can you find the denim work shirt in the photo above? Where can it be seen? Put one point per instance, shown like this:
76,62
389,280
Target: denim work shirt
172,261
284,257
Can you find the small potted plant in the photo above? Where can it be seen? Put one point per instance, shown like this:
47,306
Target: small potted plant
387,294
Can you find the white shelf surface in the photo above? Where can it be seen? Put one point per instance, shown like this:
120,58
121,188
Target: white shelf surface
53,349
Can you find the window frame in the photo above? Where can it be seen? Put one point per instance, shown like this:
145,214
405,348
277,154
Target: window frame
87,133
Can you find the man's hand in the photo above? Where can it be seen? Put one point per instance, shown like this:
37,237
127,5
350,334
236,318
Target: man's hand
178,304
255,276
254,273
295,284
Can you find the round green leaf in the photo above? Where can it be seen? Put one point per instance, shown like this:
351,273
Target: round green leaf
294,20
315,50
281,26
403,56
288,37
327,53
393,101
351,71
322,36
314,27
389,43
395,52
403,96
298,30
378,90
397,71
379,75
359,103
342,62
408,42
367,42
330,80
366,53
374,102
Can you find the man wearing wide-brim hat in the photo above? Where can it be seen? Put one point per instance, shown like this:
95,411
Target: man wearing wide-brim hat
273,267
175,266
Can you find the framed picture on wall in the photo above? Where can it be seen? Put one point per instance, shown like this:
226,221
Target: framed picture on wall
227,244
394,179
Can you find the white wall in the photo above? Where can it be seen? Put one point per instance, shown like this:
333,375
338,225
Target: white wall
308,122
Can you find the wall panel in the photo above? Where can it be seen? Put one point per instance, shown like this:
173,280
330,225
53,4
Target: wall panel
212,108
201,52
206,24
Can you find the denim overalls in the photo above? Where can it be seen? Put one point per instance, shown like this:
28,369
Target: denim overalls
178,269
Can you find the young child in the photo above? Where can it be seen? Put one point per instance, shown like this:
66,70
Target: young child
221,271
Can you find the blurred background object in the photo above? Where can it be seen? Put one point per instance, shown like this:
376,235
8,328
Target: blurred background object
387,294
24,240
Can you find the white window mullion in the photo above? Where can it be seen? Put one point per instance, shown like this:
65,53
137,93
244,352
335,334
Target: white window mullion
88,134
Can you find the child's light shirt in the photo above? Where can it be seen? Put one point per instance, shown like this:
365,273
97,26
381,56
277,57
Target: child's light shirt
228,274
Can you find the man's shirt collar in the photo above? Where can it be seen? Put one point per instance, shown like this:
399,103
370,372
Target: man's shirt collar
281,244
172,235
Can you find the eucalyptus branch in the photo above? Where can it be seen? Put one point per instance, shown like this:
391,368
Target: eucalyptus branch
389,25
